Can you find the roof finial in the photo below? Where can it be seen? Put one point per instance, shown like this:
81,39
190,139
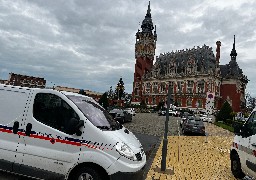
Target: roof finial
233,53
234,42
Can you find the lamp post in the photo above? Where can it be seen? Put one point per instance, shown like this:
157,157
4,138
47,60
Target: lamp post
165,140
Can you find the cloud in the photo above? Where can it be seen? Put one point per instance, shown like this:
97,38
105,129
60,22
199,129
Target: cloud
90,44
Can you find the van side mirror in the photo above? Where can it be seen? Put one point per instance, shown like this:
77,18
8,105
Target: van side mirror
243,130
74,126
80,124
237,128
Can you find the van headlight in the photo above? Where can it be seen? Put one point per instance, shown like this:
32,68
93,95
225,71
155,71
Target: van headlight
124,150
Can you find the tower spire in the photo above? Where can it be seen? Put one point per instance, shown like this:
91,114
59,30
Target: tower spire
148,11
147,24
233,53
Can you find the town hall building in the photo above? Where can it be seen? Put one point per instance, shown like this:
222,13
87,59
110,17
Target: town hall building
191,74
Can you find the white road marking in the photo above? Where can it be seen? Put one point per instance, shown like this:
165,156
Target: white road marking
178,127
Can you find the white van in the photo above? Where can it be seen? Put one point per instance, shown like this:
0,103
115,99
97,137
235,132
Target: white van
243,149
50,134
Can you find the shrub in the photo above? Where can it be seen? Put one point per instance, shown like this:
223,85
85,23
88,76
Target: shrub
225,112
229,122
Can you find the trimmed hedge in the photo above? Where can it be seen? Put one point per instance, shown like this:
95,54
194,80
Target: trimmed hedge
224,126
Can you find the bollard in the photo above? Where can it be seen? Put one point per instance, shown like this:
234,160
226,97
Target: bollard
206,135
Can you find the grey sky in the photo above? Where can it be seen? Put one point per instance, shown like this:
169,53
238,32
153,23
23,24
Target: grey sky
90,44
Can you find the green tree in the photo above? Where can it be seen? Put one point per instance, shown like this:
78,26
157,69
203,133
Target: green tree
81,91
119,92
127,99
104,100
225,112
110,93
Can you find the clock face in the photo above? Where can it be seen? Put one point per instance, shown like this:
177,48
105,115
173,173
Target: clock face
145,45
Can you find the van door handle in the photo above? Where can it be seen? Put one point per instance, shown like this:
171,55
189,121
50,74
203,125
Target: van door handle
253,144
15,127
28,129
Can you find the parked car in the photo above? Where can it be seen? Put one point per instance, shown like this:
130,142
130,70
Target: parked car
193,124
162,112
50,134
206,118
203,117
209,119
243,148
130,111
120,115
174,113
183,119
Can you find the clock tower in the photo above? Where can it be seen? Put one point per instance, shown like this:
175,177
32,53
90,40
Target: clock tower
144,54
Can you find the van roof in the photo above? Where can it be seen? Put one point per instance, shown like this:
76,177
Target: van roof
41,89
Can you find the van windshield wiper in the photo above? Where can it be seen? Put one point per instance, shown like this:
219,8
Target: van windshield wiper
103,127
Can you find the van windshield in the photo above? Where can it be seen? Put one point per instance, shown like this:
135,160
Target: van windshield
96,114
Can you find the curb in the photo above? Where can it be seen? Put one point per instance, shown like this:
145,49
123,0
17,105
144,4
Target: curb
152,156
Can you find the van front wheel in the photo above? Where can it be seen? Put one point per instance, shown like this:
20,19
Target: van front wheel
86,173
236,167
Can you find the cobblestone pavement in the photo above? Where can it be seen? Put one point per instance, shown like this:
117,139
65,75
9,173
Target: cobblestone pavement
152,124
189,157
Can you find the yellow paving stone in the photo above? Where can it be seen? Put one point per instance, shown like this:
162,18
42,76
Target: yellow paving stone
191,156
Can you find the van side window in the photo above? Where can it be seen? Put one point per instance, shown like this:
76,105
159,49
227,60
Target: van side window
252,117
251,123
53,111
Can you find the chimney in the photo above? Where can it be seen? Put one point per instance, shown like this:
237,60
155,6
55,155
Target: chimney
218,43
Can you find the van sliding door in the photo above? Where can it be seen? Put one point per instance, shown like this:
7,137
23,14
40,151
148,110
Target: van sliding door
13,105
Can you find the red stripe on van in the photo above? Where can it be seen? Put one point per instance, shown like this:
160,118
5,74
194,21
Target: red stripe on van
21,133
6,130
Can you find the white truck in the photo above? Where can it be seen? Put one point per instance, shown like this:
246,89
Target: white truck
243,149
48,134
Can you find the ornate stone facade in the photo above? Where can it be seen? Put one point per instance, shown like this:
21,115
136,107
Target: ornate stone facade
191,73
144,54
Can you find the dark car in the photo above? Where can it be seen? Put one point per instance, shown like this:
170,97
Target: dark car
162,112
193,124
120,115
184,117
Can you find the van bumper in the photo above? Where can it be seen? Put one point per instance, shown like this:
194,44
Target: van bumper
138,175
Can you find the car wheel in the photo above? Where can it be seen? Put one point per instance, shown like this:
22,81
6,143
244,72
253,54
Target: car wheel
86,173
236,166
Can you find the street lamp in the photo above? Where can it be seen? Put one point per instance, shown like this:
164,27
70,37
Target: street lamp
165,140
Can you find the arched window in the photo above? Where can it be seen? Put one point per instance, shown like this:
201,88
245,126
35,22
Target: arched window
189,102
154,100
200,103
179,102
